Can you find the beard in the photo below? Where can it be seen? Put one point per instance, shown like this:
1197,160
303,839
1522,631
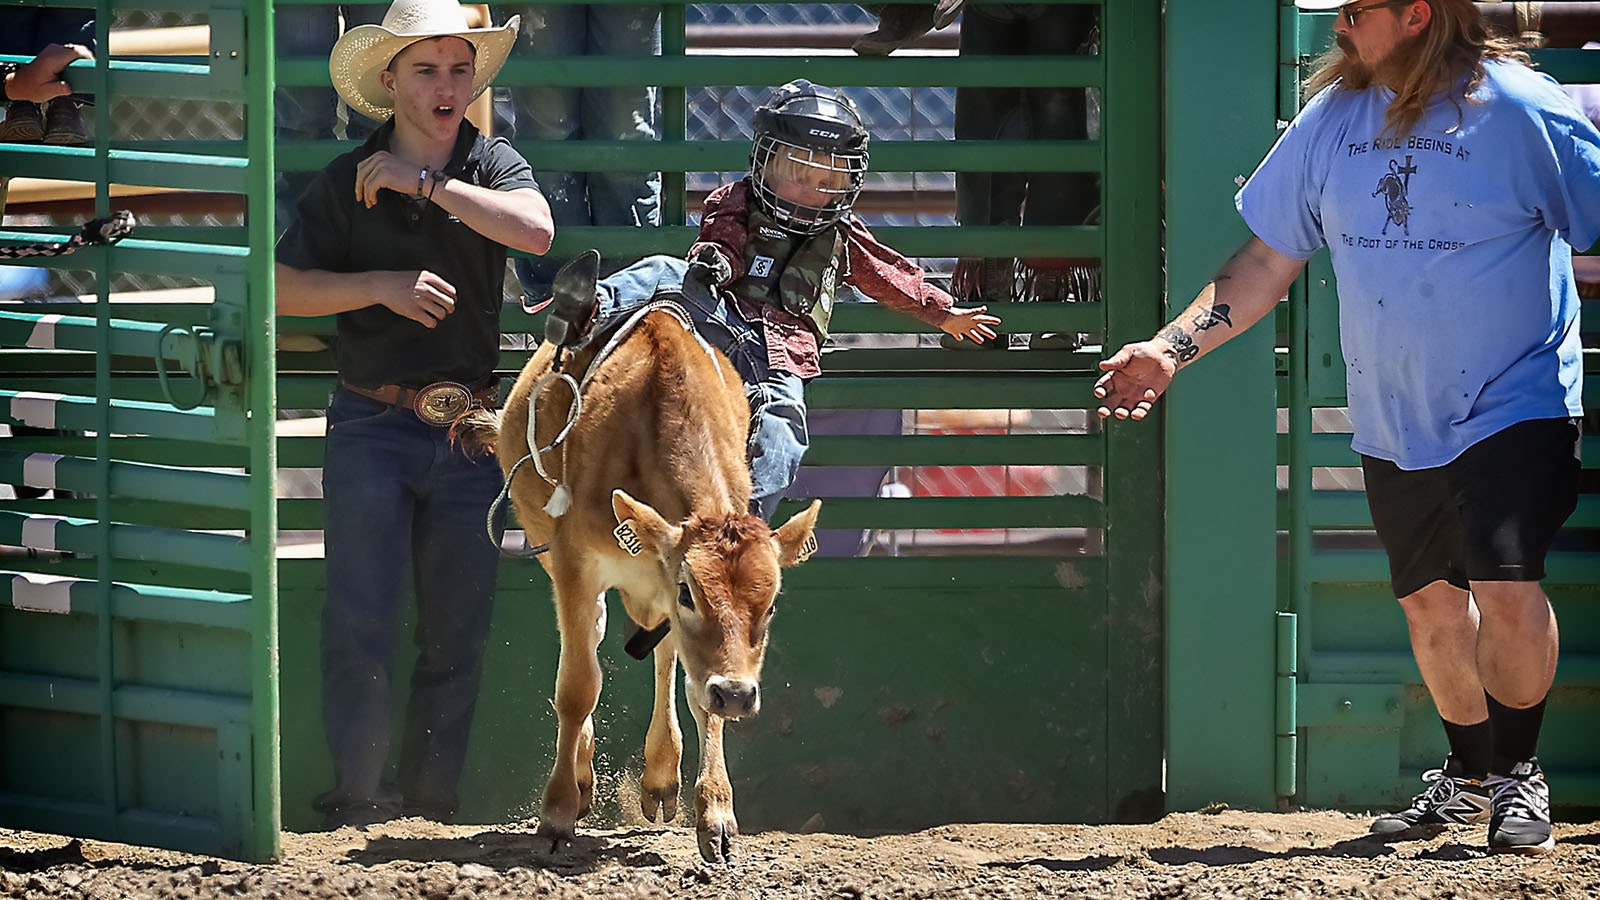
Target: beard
1357,75
1392,70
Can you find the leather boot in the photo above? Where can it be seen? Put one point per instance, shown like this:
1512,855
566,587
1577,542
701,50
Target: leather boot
573,301
898,25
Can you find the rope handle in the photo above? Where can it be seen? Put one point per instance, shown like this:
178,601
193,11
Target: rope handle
104,231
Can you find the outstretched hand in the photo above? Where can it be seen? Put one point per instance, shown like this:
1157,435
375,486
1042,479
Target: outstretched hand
1134,377
972,323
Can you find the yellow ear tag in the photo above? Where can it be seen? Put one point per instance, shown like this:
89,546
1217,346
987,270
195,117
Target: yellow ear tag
807,548
627,538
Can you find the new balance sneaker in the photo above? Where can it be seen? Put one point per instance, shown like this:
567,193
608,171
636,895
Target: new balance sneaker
1521,803
1450,799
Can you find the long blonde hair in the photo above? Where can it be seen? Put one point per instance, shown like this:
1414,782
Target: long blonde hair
1455,43
793,164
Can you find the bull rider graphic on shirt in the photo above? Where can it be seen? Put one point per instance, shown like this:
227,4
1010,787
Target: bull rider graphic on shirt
1393,187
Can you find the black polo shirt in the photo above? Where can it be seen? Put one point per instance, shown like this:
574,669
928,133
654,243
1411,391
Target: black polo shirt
335,232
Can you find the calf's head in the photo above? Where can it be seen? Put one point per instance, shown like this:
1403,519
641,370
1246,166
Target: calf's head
719,576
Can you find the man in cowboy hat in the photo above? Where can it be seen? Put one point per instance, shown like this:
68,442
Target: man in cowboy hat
1450,182
404,239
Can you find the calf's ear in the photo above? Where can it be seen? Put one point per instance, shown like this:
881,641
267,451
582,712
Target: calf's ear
795,538
640,528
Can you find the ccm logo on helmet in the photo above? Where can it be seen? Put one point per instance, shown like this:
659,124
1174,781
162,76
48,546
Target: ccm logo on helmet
823,132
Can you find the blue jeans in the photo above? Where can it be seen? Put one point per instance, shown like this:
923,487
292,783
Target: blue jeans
405,510
1010,113
311,113
539,113
778,435
25,31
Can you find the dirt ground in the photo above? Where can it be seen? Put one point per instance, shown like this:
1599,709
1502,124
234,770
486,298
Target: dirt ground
1225,854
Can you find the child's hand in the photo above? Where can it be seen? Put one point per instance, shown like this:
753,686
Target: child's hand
707,265
970,323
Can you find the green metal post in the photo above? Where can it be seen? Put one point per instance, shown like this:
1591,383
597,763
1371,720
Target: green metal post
1220,421
1299,464
102,375
674,112
1286,715
1132,231
261,378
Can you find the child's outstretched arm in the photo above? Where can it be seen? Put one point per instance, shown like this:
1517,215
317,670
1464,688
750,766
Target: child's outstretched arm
882,273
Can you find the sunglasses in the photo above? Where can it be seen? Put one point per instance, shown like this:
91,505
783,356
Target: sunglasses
1349,13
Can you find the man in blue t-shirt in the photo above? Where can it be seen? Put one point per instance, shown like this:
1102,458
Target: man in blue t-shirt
1450,183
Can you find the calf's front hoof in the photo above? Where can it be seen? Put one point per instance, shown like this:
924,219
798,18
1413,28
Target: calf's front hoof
558,836
716,840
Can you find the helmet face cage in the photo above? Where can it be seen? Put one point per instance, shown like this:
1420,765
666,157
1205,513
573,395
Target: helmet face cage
809,160
805,189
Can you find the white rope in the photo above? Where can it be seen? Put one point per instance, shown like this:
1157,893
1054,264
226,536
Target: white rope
561,497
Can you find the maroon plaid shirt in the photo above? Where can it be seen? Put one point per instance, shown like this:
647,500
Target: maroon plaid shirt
875,270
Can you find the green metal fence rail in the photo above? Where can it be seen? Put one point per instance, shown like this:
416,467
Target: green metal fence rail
138,602
1020,685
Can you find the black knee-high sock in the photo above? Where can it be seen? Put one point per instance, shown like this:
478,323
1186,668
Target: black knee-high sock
1471,746
1516,733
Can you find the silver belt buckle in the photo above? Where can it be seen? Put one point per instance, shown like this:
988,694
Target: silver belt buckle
442,402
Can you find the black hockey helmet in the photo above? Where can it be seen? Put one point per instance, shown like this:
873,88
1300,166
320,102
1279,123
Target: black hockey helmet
816,132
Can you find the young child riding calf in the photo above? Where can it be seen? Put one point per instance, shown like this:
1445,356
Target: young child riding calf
773,249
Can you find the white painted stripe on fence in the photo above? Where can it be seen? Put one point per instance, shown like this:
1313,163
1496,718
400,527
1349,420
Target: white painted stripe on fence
44,333
39,469
35,408
42,593
39,532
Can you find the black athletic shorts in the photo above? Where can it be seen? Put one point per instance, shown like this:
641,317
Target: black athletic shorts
1488,515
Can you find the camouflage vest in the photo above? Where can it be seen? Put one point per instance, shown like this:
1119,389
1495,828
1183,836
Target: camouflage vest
797,273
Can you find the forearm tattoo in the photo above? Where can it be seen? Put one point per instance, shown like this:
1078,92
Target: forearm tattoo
1181,342
1218,314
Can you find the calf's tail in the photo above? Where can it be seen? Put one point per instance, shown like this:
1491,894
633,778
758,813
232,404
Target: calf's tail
477,432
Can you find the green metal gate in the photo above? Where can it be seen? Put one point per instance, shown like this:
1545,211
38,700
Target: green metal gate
138,653
988,682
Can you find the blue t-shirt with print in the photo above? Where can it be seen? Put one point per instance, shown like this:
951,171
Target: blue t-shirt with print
1452,247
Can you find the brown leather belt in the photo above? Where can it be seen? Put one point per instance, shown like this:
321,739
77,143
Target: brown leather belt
439,403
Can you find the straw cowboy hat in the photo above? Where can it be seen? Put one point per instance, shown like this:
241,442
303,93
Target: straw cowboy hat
366,50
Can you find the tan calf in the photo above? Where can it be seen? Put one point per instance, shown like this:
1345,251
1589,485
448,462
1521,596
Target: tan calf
659,446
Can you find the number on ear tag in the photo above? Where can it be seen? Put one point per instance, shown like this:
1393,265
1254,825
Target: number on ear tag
627,538
807,548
